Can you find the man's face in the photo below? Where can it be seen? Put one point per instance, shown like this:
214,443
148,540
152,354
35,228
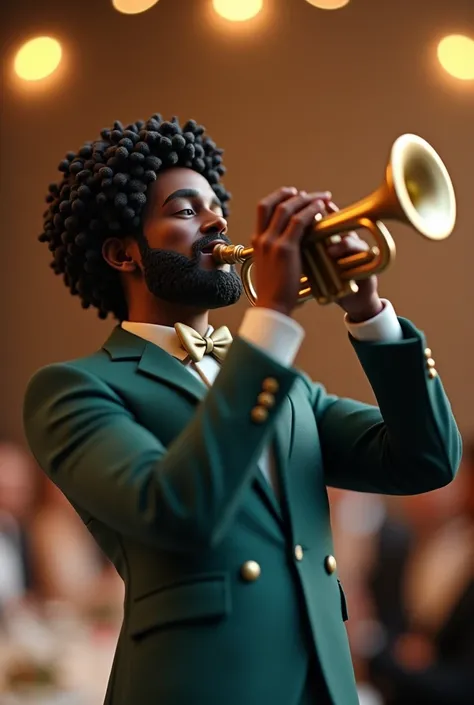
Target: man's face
183,221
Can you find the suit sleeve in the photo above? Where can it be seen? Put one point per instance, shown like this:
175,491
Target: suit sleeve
409,443
111,467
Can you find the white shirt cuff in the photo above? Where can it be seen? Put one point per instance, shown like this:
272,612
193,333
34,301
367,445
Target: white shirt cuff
276,334
385,326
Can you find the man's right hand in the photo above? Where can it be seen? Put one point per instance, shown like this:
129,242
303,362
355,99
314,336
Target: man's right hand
283,218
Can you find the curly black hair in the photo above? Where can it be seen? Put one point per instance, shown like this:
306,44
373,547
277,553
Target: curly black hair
103,194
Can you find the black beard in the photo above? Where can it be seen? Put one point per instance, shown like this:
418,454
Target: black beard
180,280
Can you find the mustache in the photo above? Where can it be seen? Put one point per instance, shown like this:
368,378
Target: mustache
205,241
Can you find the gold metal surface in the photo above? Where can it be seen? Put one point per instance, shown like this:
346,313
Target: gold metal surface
270,385
417,191
259,414
330,565
250,571
266,400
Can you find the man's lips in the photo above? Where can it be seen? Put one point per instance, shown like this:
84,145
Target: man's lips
206,257
208,249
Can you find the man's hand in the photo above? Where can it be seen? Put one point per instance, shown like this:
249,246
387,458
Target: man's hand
366,303
282,220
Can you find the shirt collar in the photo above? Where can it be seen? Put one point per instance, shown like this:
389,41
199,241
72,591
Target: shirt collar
163,336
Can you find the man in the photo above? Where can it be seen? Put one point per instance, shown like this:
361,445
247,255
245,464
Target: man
201,470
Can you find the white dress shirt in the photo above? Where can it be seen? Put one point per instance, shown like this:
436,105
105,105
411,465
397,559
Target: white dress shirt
277,335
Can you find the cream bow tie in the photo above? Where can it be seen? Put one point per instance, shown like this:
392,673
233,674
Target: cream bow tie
216,344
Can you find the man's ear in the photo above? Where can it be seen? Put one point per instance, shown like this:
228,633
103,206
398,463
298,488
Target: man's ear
121,254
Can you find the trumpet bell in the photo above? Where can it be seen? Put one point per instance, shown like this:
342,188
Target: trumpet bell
422,187
417,190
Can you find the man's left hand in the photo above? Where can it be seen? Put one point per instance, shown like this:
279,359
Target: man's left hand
366,303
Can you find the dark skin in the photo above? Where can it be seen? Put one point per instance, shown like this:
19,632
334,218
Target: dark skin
182,208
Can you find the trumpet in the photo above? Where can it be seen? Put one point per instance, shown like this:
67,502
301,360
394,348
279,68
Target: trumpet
417,191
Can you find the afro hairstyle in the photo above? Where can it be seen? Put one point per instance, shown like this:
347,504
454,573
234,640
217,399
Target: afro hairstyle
103,193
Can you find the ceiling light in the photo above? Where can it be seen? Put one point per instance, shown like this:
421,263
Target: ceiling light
38,58
328,4
237,10
456,56
133,7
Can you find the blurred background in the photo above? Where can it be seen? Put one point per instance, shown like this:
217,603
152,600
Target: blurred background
309,93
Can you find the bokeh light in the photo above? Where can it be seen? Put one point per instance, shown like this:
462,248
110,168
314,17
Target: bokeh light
237,10
456,56
133,7
38,58
328,4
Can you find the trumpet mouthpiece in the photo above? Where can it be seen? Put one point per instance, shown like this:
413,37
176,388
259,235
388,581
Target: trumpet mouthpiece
228,254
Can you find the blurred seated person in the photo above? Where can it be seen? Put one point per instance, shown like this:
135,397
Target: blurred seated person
423,592
356,519
17,497
75,571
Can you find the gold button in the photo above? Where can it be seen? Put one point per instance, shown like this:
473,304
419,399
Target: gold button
330,564
427,352
298,553
250,571
430,362
270,385
266,399
432,373
259,414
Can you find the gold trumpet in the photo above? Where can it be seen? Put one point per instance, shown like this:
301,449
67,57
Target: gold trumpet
417,190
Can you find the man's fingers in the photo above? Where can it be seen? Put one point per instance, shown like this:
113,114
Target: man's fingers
285,212
267,205
349,245
301,221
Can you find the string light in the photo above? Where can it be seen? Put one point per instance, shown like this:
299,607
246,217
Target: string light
328,4
133,7
456,56
237,10
38,58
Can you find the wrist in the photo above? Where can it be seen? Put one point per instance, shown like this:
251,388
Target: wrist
364,313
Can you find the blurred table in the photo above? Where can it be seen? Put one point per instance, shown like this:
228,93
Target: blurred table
75,654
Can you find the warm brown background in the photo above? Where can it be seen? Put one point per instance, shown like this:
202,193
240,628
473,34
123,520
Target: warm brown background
300,97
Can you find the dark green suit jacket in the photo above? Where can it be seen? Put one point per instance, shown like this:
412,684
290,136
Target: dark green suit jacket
164,474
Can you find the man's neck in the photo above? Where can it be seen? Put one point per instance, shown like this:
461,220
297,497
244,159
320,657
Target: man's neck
168,315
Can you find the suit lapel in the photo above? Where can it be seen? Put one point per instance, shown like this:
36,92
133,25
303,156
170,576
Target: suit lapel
155,363
284,441
281,441
268,495
158,364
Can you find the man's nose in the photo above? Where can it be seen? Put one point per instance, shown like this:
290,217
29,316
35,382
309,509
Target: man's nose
216,224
